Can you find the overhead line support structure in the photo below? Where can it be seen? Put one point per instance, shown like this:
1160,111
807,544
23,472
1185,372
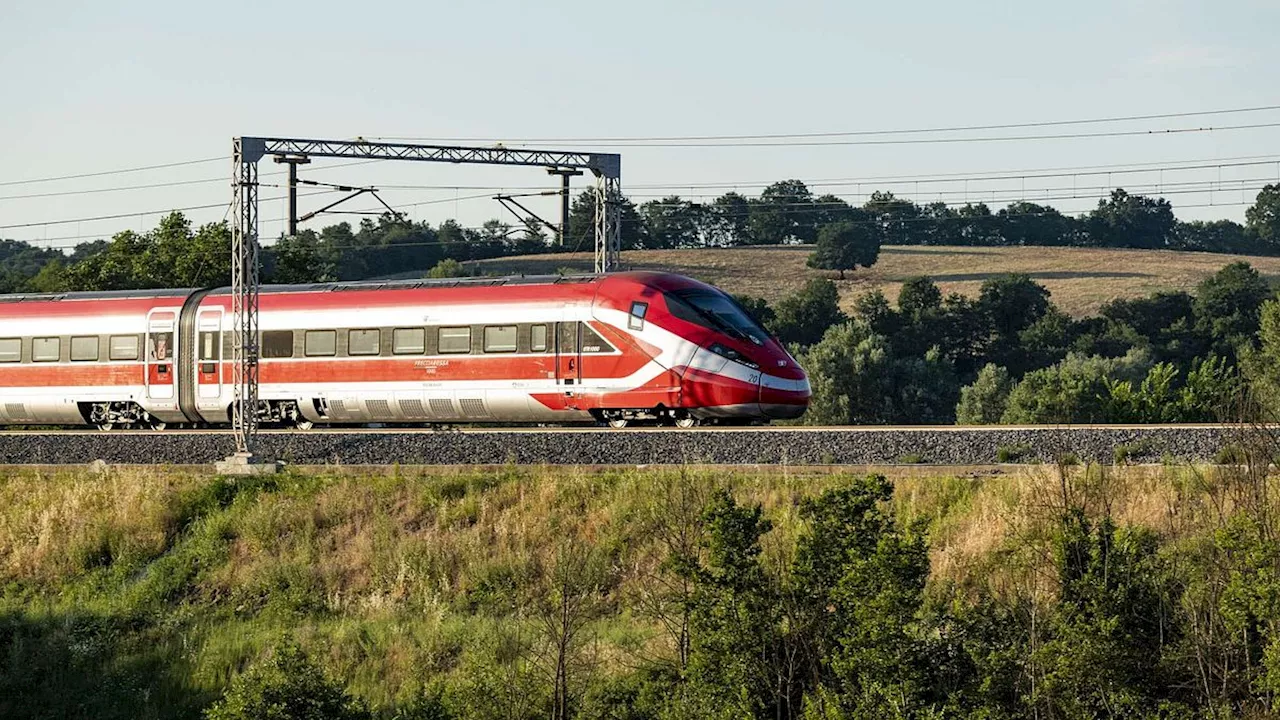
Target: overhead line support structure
245,277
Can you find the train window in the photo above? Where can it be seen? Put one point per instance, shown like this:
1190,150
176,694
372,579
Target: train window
593,343
638,311
500,338
321,342
46,349
84,349
716,311
209,345
363,342
538,338
277,344
123,347
455,339
409,341
10,350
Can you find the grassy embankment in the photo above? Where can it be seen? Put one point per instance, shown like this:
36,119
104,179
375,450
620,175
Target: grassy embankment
142,593
1081,279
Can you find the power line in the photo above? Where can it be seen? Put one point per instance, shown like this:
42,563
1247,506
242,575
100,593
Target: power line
850,133
113,172
120,216
957,140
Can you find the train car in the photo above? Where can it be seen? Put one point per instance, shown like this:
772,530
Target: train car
616,349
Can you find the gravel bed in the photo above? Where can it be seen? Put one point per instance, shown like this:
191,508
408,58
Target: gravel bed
773,446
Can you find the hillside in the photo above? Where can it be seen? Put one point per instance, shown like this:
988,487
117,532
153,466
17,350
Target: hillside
1081,279
143,593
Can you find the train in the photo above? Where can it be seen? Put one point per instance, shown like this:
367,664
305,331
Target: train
615,349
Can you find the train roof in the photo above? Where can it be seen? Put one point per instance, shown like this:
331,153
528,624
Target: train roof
335,287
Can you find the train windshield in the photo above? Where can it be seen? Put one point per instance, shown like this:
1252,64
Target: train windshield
716,311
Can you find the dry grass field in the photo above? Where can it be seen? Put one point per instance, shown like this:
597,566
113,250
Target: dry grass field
1081,279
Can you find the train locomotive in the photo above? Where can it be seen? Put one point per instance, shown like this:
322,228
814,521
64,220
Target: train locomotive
623,348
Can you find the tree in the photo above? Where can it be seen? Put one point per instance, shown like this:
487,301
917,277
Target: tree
1011,302
984,402
918,295
862,578
300,259
1262,219
564,601
733,622
582,224
1228,303
1224,236
728,221
845,246
1026,223
1076,390
287,686
673,222
895,219
857,380
1125,220
804,316
782,214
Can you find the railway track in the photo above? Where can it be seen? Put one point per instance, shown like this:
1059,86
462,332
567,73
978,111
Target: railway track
948,445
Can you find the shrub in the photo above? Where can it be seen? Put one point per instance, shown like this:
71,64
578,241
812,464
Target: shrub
1013,453
286,686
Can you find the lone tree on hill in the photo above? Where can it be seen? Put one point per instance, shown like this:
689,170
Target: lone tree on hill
845,246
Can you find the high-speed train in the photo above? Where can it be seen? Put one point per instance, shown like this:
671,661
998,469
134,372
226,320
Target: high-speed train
618,348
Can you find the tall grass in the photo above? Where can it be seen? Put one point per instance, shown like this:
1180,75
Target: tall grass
142,593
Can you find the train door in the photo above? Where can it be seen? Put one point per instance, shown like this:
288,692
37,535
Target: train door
568,356
209,354
159,353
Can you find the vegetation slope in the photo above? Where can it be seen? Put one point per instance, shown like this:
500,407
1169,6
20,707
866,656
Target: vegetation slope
638,594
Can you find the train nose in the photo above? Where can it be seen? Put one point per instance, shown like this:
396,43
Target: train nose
784,392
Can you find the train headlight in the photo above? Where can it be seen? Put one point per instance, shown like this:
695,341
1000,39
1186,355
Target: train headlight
733,355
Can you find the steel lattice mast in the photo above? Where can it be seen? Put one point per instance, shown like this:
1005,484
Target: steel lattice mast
247,151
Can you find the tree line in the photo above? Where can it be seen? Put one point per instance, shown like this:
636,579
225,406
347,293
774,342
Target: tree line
1011,356
177,254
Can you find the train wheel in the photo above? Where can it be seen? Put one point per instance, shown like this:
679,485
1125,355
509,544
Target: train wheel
303,424
159,425
617,423
106,426
686,421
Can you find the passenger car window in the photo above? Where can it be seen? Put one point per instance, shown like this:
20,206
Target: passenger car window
538,338
123,347
455,339
277,344
363,342
84,349
46,349
10,350
500,338
409,341
321,342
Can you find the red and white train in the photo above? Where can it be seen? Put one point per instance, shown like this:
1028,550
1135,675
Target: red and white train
616,348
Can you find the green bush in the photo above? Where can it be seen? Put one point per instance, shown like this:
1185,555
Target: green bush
1124,452
286,686
1013,453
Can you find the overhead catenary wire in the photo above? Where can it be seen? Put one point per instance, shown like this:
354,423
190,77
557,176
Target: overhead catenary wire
120,171
844,133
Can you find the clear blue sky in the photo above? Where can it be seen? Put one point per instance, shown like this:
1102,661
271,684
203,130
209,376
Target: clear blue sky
91,86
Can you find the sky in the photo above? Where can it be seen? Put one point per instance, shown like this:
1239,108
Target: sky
92,87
